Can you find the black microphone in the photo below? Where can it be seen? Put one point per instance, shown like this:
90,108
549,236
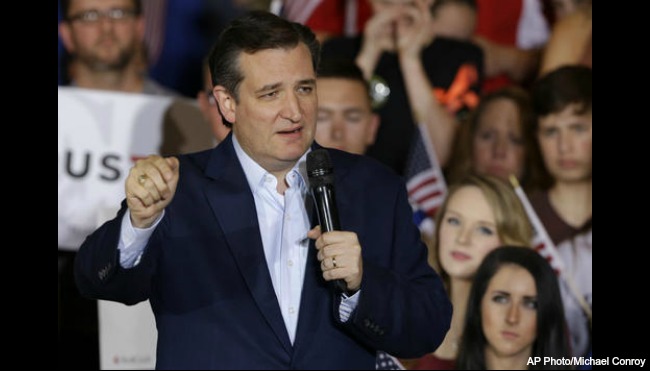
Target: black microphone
321,182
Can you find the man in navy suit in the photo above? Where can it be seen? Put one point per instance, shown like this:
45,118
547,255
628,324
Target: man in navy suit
225,245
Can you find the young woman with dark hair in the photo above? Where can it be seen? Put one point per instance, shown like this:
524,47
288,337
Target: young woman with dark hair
514,313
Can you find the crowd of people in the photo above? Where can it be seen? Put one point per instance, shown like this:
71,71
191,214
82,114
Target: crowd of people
225,244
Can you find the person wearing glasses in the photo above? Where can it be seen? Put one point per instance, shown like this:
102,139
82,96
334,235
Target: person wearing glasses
106,42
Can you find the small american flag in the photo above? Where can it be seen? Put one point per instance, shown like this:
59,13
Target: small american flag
425,183
541,242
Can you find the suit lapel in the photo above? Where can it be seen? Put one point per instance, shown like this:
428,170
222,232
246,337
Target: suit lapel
313,300
232,203
317,294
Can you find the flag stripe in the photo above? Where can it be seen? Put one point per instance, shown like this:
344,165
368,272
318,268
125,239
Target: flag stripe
433,202
415,190
425,183
425,177
424,197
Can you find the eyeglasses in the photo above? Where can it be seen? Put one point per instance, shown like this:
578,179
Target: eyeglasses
93,16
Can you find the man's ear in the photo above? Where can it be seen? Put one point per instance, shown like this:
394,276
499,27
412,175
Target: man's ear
66,36
371,130
226,103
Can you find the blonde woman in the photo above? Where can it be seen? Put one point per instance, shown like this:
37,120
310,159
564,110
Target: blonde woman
479,214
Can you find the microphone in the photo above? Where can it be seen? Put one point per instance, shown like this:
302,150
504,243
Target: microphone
321,182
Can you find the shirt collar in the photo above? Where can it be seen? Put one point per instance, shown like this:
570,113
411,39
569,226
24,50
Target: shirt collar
255,173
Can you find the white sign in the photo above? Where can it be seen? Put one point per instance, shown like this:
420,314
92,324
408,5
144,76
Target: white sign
100,135
127,336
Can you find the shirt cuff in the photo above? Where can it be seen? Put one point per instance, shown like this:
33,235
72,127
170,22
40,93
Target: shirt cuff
133,240
348,305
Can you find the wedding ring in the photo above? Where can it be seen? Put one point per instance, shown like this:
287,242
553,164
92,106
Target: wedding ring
142,178
334,261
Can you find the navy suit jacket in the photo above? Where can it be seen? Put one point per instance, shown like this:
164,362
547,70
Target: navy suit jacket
208,282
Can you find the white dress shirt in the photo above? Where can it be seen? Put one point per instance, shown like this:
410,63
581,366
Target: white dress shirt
284,224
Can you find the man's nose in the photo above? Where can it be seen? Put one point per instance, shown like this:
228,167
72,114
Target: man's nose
291,108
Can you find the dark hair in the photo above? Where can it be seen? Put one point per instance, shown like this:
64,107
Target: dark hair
250,33
551,340
342,68
440,3
65,6
559,88
460,164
